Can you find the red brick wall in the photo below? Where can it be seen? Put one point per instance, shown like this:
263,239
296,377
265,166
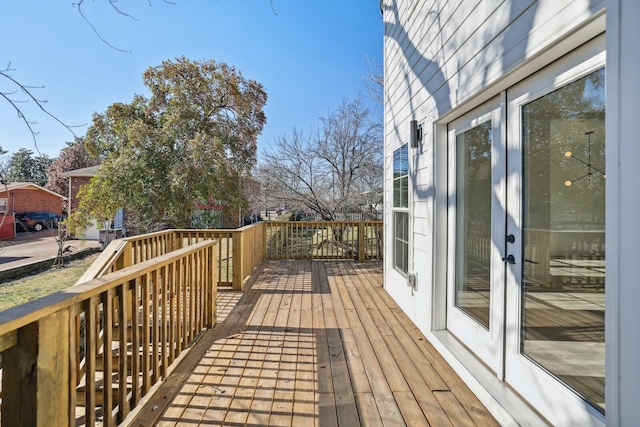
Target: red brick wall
76,183
28,200
7,230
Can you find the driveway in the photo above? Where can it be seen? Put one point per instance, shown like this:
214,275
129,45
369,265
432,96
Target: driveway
30,247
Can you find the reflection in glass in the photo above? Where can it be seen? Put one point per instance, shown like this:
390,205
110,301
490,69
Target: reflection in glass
473,222
563,288
401,177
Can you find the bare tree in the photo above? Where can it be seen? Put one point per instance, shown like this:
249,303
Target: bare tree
374,81
20,94
332,170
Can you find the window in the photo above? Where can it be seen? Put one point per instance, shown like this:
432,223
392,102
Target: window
3,204
401,209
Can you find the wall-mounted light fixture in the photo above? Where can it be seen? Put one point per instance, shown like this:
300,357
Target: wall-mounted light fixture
415,135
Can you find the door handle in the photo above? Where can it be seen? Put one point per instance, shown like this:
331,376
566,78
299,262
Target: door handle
509,259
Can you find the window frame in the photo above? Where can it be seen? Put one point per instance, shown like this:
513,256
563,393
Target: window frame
400,209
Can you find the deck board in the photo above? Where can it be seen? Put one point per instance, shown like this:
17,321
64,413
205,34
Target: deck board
318,343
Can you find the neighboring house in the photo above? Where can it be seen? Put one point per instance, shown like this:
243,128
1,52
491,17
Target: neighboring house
495,179
216,215
78,178
212,215
23,197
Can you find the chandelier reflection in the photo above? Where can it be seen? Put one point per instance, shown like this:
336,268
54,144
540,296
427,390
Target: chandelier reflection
590,168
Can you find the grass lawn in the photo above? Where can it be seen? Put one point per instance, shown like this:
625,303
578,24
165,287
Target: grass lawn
24,289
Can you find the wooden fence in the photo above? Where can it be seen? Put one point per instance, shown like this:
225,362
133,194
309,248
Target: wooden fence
88,355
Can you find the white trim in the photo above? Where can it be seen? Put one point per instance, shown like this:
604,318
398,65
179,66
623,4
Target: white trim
440,232
507,407
615,266
623,208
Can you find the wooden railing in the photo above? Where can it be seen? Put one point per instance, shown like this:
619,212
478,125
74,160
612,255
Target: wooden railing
122,253
240,251
359,240
87,355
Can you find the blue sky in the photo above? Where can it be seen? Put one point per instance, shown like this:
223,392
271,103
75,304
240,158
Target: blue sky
309,55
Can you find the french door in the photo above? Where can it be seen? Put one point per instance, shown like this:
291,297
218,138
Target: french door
526,255
475,297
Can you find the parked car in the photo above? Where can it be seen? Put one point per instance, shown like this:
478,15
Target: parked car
38,220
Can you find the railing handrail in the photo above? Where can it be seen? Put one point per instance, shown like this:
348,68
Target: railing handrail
242,249
104,344
360,239
32,311
104,261
366,221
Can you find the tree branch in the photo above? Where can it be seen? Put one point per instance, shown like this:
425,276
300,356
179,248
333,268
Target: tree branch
39,103
95,30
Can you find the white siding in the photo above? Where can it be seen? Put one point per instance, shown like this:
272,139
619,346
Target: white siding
443,58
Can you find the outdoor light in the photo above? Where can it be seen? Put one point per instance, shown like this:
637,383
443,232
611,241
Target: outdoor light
415,134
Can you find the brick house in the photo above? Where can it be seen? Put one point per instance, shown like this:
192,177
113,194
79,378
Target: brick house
78,178
22,197
212,214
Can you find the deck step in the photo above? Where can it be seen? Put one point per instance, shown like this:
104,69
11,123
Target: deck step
81,390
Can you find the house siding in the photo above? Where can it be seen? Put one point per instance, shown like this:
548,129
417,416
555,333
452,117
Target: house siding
442,59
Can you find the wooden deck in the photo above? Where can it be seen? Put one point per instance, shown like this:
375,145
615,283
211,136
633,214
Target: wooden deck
313,343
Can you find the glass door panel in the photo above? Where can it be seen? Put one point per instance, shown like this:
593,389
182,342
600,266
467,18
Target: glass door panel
475,288
563,222
473,223
555,290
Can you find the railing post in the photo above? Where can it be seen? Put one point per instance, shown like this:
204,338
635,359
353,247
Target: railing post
361,241
238,261
124,260
263,256
36,385
212,287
